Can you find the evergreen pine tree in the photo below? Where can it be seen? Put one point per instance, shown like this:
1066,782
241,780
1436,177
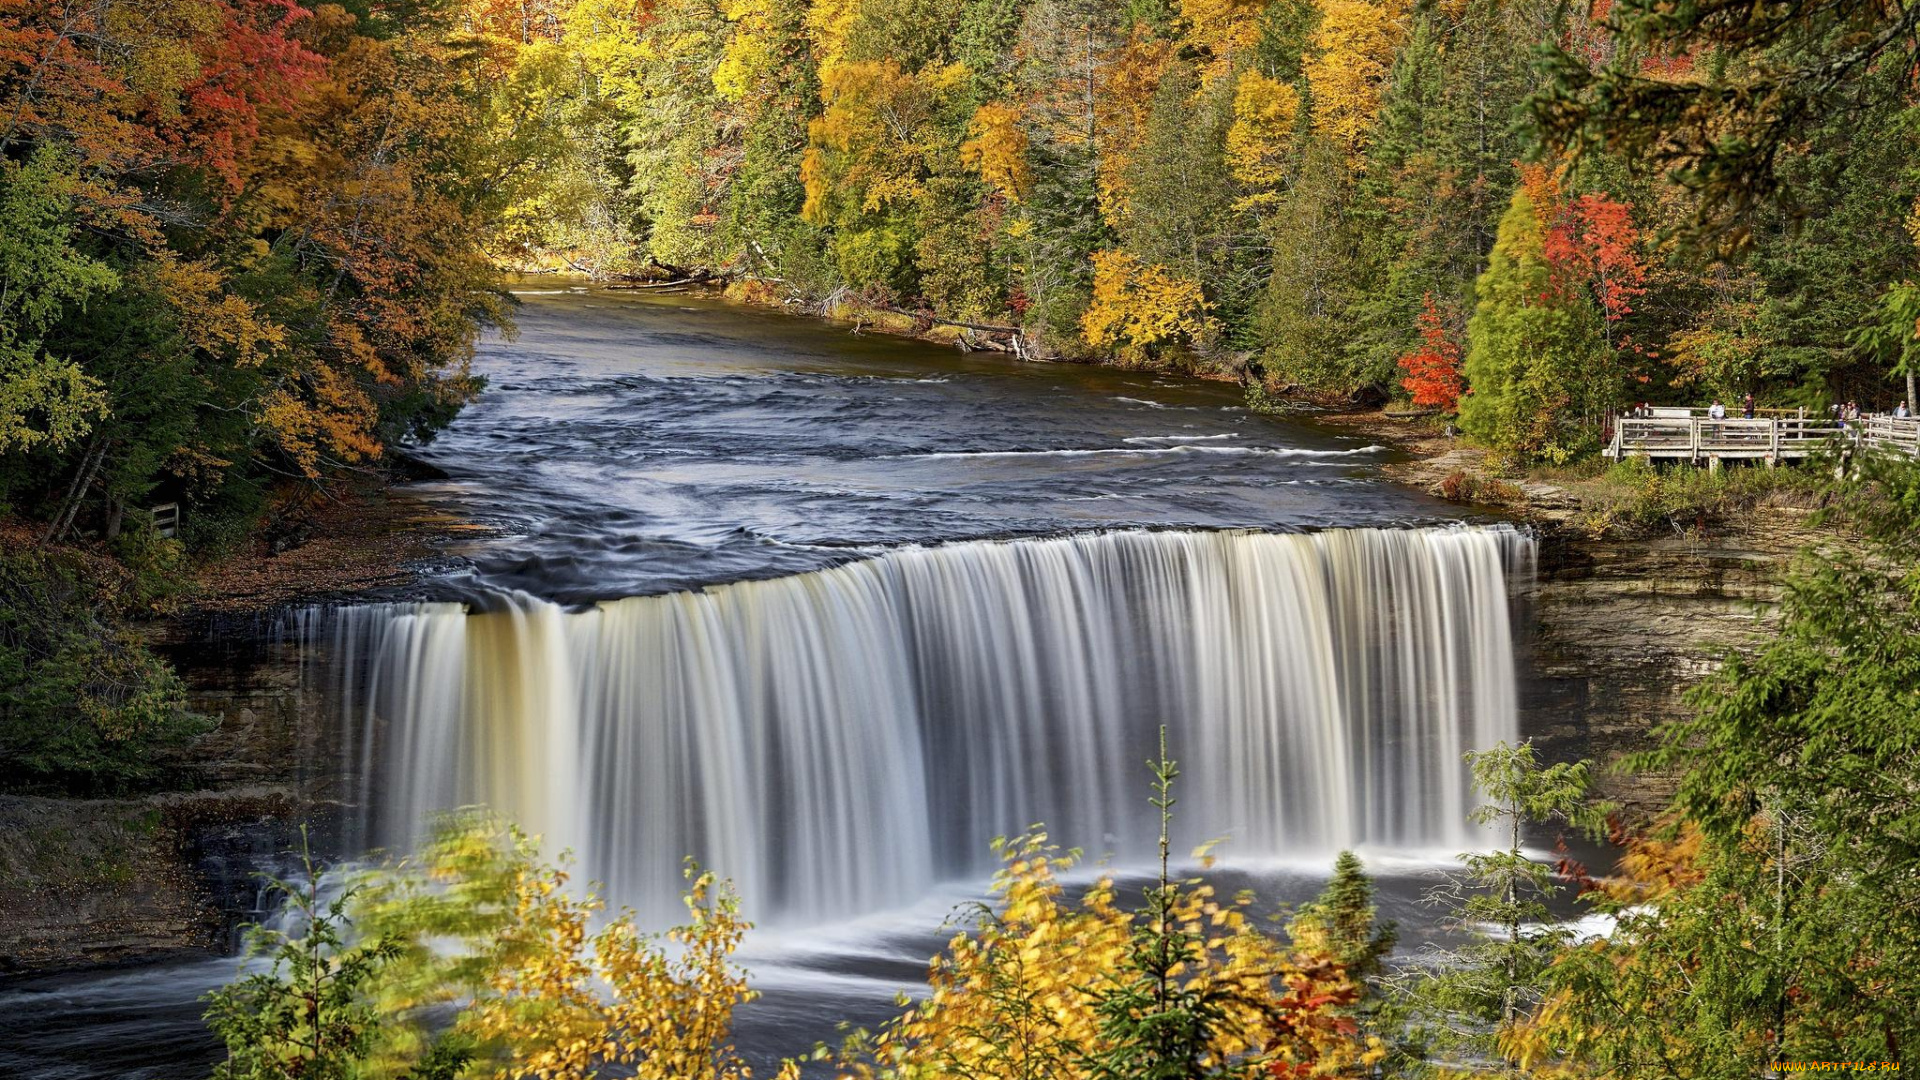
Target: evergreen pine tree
1451,1010
1343,922
1157,1027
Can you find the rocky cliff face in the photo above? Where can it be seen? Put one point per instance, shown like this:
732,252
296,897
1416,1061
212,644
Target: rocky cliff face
85,882
1622,629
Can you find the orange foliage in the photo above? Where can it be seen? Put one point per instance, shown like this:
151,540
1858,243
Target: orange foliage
1655,865
1591,243
1433,369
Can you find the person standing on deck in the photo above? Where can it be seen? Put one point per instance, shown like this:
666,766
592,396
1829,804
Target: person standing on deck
1747,406
1717,411
1900,411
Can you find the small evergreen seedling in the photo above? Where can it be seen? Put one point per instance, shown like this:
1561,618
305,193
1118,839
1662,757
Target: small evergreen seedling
1156,1026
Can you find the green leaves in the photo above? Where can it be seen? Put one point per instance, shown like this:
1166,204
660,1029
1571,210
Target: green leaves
1455,1006
84,705
44,399
308,1015
1776,914
478,927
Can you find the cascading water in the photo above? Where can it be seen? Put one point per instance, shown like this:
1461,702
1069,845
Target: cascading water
836,741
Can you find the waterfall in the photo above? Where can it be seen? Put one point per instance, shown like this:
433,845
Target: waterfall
836,741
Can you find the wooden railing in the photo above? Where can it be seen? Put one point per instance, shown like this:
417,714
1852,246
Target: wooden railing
1771,439
1900,434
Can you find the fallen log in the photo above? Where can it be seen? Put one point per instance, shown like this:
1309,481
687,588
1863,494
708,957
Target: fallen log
929,317
679,284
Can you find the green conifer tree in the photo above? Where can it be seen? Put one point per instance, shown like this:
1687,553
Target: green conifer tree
1156,1026
1451,1008
1534,364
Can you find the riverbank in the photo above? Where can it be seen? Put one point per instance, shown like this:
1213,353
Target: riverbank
373,535
784,489
92,880
1596,499
864,317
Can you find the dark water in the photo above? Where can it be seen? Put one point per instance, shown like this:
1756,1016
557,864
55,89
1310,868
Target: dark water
631,445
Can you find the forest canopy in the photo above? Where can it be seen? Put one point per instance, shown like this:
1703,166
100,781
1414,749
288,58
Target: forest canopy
1307,194
251,243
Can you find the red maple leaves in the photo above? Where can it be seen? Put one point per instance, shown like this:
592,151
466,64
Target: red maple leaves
255,64
1592,242
1433,369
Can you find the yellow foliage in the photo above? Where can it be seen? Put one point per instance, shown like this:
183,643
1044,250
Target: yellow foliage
483,922
828,24
605,35
541,1007
1221,28
997,149
1264,111
1136,305
1539,1043
668,1009
211,319
1348,69
1657,865
871,144
1017,996
751,51
1123,106
338,419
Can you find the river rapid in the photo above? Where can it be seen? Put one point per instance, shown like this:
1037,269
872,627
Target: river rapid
831,610
630,445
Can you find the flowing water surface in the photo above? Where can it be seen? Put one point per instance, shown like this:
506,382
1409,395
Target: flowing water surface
630,445
831,611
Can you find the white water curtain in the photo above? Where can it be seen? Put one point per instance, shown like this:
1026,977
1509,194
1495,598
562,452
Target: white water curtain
836,741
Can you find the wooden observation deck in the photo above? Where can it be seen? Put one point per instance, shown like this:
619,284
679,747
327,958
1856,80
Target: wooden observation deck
1683,435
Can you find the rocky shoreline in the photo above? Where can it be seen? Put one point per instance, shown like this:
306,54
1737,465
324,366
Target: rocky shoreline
1623,629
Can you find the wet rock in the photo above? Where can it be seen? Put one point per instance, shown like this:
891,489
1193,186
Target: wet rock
1621,629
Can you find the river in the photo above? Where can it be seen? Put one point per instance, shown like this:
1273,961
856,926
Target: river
830,611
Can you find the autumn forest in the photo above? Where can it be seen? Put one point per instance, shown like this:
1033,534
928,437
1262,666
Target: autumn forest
302,210
251,249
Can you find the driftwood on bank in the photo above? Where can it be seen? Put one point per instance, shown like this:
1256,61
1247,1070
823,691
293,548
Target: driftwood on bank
1016,342
677,283
929,317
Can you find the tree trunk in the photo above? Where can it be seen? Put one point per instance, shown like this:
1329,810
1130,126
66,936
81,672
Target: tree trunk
77,493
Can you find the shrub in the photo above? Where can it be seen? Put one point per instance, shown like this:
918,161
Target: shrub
85,706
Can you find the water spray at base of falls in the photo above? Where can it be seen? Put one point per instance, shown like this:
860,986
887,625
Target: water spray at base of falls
837,741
